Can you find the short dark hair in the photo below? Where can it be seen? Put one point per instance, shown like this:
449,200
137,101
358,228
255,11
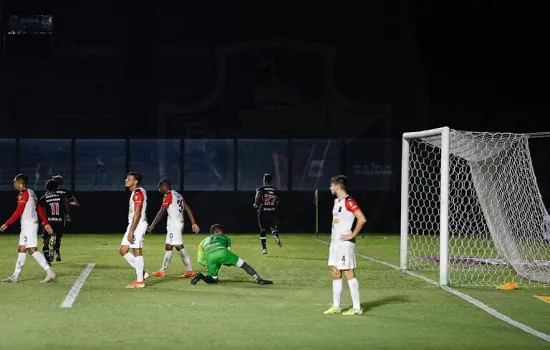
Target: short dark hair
340,180
58,179
22,178
52,185
165,182
216,226
136,176
268,178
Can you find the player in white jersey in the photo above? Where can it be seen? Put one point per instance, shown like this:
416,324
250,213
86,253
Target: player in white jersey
342,246
137,227
174,204
27,209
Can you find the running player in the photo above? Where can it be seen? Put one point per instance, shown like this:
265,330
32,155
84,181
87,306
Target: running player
174,204
215,251
137,227
69,202
53,203
342,246
267,202
27,209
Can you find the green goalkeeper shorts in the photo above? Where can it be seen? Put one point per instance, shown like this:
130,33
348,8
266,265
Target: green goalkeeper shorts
217,258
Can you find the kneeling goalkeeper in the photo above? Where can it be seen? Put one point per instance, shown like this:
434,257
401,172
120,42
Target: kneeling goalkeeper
215,251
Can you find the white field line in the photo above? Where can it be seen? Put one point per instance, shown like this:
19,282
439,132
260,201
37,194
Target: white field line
73,293
463,296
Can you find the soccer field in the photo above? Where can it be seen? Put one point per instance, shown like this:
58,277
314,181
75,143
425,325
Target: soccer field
401,312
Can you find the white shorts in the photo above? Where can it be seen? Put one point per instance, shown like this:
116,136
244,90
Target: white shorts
139,235
342,255
174,235
29,236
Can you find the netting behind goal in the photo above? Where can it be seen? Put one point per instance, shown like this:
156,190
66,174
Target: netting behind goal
497,222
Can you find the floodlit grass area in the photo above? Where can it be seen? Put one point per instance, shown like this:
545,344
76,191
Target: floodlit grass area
402,312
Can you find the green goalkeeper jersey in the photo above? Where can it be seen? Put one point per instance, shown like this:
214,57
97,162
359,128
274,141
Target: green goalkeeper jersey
212,243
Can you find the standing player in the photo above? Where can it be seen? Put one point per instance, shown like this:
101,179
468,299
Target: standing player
215,251
53,203
69,201
267,202
174,204
27,209
342,245
137,227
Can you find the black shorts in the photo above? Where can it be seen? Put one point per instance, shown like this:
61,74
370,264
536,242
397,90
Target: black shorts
267,220
58,229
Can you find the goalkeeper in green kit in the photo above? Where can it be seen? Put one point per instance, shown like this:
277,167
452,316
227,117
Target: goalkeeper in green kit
215,251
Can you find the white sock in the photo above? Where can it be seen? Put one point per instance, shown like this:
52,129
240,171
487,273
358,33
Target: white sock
41,260
354,290
131,259
166,261
21,258
336,292
186,259
140,264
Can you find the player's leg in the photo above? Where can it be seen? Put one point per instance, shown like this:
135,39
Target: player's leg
348,253
59,230
21,259
168,248
231,259
125,250
46,237
275,231
212,268
137,247
263,230
186,261
31,234
336,279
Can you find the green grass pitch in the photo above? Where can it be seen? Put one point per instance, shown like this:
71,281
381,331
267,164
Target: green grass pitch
402,312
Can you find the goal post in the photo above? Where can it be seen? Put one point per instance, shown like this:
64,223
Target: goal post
471,209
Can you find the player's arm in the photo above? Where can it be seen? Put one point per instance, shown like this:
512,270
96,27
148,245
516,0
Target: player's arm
71,200
22,200
352,206
257,199
189,212
42,214
228,242
138,203
166,201
201,258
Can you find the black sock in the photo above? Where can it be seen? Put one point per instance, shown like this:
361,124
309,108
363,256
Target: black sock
263,239
250,270
275,233
47,255
210,280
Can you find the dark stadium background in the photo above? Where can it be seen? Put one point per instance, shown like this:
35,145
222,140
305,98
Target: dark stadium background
238,87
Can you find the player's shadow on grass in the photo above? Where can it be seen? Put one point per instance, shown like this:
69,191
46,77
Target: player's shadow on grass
395,299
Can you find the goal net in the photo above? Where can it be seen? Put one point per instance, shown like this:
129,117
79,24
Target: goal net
471,209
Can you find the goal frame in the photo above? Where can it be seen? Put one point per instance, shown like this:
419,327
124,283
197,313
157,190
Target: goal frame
444,132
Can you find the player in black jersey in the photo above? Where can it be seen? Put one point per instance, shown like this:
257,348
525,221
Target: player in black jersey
53,203
267,202
70,201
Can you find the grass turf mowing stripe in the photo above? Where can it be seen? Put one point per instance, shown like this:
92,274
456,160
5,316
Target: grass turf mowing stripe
463,296
73,293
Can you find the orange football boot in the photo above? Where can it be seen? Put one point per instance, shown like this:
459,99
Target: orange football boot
188,274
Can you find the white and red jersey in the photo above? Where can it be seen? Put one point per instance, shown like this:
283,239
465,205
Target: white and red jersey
28,209
343,216
138,198
174,204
